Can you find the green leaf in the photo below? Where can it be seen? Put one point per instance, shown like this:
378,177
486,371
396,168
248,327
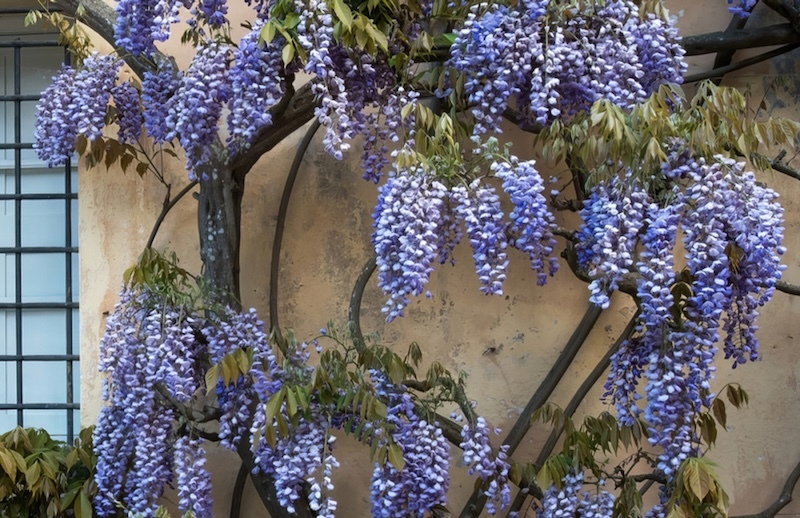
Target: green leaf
396,456
344,13
291,20
268,31
33,474
125,162
8,464
85,506
696,479
718,407
212,378
269,435
287,53
274,403
291,402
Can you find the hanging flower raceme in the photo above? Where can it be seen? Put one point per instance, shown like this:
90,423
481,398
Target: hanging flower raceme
612,217
479,208
140,23
158,91
75,104
406,222
149,349
481,461
554,71
569,501
423,481
256,85
129,112
194,113
732,230
532,223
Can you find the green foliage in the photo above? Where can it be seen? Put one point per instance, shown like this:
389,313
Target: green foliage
159,274
70,34
696,489
44,478
717,120
343,383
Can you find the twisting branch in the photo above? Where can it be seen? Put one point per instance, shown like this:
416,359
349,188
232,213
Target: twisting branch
717,73
476,502
165,208
354,311
280,226
725,57
785,287
572,407
780,34
778,165
586,386
789,9
99,17
784,498
238,492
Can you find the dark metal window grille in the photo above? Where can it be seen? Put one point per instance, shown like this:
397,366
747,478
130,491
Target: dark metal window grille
38,344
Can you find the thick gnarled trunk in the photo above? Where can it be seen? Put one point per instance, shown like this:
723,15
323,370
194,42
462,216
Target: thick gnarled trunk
219,215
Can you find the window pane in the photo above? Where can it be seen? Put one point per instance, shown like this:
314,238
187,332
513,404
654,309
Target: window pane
8,420
38,66
43,278
44,382
75,277
54,421
75,331
42,180
7,281
76,382
43,223
27,119
6,209
73,222
44,331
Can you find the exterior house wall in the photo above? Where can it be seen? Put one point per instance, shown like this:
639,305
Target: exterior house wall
506,344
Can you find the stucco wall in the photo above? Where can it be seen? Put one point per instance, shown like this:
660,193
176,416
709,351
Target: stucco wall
506,344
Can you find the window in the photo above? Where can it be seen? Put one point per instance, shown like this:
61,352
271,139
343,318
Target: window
38,246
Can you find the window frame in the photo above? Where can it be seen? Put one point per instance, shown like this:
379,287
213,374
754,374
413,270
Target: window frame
70,303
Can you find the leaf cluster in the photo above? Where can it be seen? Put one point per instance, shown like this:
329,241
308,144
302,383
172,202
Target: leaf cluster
44,478
716,120
583,445
159,274
70,34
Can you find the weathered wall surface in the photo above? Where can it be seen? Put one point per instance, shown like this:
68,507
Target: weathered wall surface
506,344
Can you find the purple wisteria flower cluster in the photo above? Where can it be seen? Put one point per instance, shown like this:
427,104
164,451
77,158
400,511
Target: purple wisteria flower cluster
195,111
140,23
481,460
407,218
532,223
147,348
417,220
423,481
154,354
129,112
75,104
612,218
256,85
732,230
569,501
553,70
158,90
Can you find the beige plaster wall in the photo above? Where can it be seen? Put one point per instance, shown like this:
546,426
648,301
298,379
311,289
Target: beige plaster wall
506,344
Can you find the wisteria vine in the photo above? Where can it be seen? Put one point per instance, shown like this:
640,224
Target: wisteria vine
539,62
